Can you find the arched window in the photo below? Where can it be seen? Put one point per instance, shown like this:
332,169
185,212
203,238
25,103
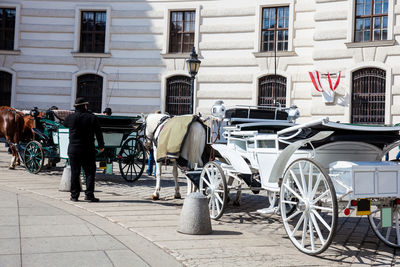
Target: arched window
178,95
90,86
5,88
368,96
271,89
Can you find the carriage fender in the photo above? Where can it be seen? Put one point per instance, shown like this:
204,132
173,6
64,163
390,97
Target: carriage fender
235,159
283,158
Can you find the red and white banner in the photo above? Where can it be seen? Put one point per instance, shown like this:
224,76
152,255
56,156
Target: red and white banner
316,80
328,94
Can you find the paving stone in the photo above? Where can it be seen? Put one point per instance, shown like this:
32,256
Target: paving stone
9,231
10,260
68,243
49,220
9,246
59,230
125,258
9,220
70,259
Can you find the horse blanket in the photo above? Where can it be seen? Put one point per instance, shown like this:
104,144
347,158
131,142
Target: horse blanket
172,136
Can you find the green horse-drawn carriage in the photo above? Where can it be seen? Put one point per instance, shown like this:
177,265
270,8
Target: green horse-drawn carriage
122,144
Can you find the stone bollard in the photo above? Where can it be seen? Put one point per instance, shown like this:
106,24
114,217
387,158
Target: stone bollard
195,216
65,184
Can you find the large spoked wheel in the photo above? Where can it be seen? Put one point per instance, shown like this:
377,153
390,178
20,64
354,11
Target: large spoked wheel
33,157
312,224
213,185
390,235
132,159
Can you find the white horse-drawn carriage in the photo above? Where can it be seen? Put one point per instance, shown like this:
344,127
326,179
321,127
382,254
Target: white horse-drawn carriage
311,171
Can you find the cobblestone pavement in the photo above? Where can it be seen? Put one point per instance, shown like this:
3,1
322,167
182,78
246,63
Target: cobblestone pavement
242,237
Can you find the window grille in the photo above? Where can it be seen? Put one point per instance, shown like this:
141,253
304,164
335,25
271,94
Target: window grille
275,29
272,89
5,88
7,28
371,20
90,86
368,96
93,31
181,31
178,95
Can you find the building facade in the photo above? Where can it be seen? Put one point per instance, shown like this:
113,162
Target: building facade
130,55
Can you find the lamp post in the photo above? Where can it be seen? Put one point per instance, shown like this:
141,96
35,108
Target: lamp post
193,64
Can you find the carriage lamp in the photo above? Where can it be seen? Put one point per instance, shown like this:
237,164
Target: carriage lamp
218,110
293,113
193,64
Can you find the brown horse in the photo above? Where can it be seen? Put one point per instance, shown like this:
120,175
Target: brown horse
15,127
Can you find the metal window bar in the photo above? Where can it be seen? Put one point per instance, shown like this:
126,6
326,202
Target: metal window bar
368,96
272,89
90,86
178,95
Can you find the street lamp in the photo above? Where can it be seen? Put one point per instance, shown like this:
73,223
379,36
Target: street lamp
193,64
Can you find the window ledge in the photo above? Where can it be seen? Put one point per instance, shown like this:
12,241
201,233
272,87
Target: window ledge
272,54
10,52
175,55
79,54
371,44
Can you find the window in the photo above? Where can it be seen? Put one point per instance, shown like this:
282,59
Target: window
371,20
93,31
178,95
7,28
368,96
90,86
5,88
181,32
275,29
272,89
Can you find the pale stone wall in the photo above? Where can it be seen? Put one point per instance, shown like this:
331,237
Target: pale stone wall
227,39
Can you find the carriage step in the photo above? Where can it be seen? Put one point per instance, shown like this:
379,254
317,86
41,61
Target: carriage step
269,210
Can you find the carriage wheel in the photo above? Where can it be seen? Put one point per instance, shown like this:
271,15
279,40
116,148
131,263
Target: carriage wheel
132,159
33,157
388,235
312,224
213,185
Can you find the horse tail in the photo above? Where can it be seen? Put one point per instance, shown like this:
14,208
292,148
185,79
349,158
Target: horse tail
194,144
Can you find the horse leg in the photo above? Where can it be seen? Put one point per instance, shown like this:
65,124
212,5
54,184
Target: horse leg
175,174
156,194
13,157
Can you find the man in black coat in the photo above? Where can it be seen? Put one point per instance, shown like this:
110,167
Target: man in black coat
83,126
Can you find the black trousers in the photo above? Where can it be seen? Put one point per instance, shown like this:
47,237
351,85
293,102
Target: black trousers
88,163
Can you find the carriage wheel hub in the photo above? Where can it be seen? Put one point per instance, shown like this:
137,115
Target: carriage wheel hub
305,206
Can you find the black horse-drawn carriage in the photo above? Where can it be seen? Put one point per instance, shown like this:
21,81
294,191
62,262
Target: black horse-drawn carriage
121,135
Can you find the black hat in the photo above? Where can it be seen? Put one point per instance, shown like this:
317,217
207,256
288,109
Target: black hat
81,101
107,111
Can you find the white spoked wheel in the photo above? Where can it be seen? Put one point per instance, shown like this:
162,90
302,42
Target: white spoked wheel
390,235
311,224
213,185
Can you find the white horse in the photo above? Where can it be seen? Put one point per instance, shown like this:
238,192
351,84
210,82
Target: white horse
191,149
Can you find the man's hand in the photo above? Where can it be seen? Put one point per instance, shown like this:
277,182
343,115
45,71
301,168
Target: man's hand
101,150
